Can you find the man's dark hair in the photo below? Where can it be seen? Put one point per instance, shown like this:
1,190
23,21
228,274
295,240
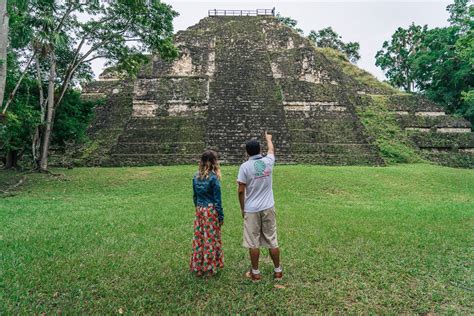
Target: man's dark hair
253,147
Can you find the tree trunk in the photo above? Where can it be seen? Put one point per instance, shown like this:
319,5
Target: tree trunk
35,145
49,115
36,142
11,158
3,47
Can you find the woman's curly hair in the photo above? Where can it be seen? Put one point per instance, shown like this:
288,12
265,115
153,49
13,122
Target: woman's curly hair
208,164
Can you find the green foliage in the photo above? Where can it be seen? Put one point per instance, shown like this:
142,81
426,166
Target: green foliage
354,240
72,119
437,62
327,37
122,32
396,57
54,33
89,149
468,102
380,124
19,32
291,23
16,134
17,131
278,93
24,114
460,14
443,68
146,24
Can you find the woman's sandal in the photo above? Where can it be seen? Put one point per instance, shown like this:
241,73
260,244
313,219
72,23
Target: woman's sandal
210,274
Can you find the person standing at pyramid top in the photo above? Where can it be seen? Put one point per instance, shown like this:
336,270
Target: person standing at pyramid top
258,206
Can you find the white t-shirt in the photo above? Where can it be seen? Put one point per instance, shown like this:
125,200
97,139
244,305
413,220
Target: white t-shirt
256,174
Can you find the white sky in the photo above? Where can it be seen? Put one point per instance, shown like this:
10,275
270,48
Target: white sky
368,22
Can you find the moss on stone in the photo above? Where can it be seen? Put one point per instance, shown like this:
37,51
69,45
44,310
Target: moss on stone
393,143
449,158
366,79
278,93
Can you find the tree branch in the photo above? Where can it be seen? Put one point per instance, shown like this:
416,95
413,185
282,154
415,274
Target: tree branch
75,64
70,71
95,57
68,11
12,94
40,86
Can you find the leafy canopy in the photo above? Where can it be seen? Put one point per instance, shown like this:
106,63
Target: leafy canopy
326,37
396,57
435,62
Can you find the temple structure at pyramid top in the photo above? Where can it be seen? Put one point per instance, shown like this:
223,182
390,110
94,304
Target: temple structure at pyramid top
257,12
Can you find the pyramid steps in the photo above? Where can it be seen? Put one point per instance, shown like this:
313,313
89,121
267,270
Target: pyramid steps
442,138
160,140
244,102
239,76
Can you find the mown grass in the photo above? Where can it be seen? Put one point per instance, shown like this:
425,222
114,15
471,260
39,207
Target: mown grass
354,240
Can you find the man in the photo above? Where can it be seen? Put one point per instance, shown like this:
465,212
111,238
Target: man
257,206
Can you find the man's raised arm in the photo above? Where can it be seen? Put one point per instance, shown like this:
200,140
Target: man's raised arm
268,138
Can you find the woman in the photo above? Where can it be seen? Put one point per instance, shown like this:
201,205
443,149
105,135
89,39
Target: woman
207,254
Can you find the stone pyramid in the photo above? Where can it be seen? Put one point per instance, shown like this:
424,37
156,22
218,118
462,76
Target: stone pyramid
239,76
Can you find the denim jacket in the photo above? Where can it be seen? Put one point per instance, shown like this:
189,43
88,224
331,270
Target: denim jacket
208,191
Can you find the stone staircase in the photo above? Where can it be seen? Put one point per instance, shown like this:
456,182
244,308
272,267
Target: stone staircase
329,135
245,98
442,138
164,140
110,119
169,118
322,122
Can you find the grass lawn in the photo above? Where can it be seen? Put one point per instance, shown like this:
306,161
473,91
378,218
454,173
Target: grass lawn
354,240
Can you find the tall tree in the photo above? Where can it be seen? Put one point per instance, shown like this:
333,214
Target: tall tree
444,65
396,57
121,31
327,37
20,132
3,47
439,70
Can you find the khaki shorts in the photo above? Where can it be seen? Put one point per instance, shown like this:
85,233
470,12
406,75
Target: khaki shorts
260,229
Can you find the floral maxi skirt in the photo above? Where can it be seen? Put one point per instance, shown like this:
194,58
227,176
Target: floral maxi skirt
207,244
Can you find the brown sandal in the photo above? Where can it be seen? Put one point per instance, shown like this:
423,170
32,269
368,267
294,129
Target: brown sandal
277,276
253,277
